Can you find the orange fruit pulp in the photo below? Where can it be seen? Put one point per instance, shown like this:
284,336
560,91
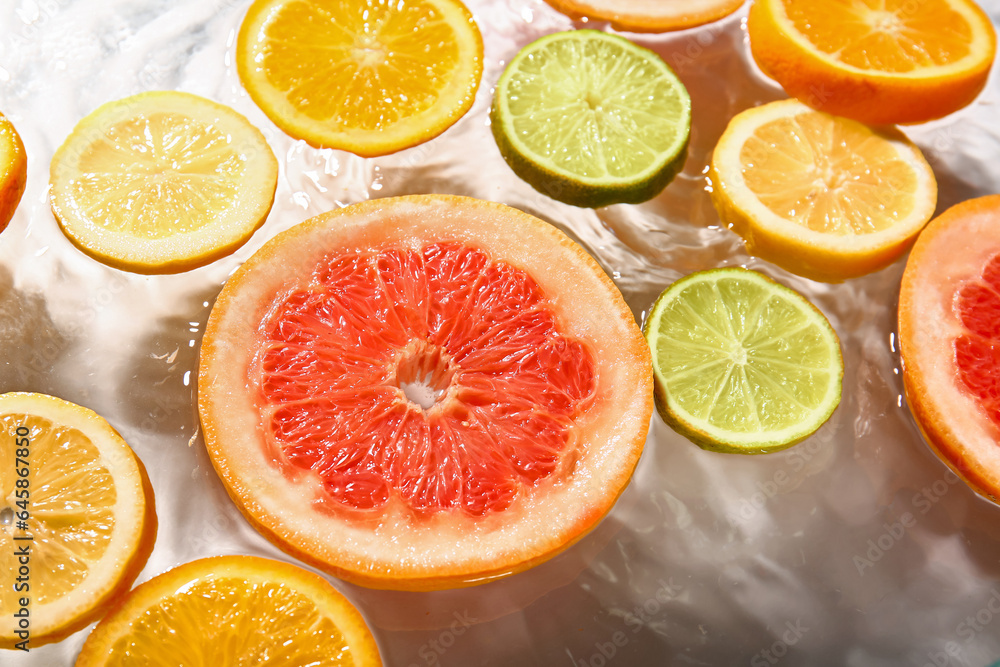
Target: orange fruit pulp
423,392
649,15
887,62
368,76
949,335
13,171
232,611
822,196
78,522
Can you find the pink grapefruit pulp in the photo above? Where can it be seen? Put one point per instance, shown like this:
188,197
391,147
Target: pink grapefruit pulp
949,333
423,392
977,351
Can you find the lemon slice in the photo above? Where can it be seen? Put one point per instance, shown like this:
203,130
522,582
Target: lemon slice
233,611
162,182
591,119
77,521
13,171
742,364
367,77
824,197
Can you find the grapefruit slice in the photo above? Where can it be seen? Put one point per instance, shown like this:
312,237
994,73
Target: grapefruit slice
423,392
949,336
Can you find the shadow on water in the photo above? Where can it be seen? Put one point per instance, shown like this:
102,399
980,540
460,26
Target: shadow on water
400,611
30,343
159,396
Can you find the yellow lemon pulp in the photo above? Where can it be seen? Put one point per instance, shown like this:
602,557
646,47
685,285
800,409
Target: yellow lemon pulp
162,182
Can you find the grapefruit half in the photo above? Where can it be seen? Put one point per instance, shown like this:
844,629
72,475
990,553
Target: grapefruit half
423,392
949,337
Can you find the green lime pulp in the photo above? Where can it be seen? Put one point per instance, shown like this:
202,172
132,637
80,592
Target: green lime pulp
742,363
592,119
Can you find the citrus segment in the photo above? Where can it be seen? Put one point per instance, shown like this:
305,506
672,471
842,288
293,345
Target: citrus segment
13,170
742,364
591,119
649,15
977,353
368,76
824,197
76,517
949,309
236,611
489,327
876,62
162,182
420,404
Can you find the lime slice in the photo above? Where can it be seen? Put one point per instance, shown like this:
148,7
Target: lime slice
741,363
591,119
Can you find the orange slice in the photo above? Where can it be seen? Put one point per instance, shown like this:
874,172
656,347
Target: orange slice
892,61
162,182
13,171
76,518
366,76
949,339
824,197
232,611
423,392
649,15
